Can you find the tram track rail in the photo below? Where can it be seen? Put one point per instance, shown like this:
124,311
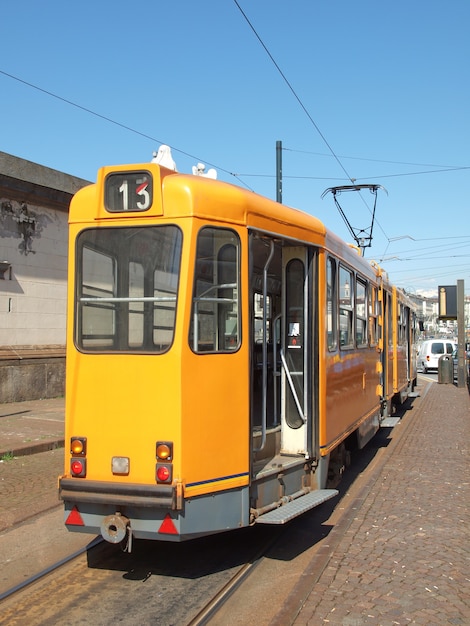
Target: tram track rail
108,573
220,598
16,589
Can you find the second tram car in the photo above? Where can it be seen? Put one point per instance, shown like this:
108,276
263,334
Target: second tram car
224,353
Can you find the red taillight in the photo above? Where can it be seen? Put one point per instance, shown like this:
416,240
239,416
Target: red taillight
164,473
164,470
78,461
78,467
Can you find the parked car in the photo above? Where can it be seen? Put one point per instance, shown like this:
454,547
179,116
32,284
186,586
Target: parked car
455,359
430,352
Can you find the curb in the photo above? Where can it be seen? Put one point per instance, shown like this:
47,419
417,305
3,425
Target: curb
33,448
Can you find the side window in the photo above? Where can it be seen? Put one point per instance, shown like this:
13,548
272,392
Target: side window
215,316
346,338
399,324
403,325
390,319
373,315
331,300
361,313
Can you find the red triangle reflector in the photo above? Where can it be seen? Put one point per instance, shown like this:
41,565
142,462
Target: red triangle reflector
168,526
74,518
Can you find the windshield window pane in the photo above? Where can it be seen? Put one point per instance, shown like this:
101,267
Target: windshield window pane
127,282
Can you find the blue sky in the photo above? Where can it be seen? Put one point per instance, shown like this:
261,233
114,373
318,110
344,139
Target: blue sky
373,91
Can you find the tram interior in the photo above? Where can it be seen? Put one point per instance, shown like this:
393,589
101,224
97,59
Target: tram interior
266,297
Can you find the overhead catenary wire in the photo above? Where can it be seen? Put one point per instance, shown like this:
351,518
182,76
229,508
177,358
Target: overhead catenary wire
116,123
238,175
442,169
336,157
304,108
153,139
355,158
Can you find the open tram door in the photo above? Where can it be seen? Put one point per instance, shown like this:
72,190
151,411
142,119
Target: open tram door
387,353
297,352
284,402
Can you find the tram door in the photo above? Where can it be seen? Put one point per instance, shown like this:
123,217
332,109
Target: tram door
387,348
297,350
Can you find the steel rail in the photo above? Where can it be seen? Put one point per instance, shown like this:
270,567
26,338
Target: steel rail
42,574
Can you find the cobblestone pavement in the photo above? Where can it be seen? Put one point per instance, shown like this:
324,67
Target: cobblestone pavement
31,458
403,555
28,486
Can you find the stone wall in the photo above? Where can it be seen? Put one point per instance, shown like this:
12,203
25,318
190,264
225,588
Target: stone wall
32,374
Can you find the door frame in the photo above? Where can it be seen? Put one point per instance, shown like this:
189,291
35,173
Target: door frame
298,433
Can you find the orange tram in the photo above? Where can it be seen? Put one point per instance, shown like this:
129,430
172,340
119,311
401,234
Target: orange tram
224,355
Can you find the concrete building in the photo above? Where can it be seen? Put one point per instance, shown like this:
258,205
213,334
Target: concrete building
34,204
428,313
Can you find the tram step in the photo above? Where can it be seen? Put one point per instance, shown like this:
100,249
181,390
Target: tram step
292,509
389,422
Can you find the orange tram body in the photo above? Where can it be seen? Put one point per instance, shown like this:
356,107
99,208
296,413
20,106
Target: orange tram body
224,355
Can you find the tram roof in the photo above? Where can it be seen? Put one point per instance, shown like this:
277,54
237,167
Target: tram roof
177,195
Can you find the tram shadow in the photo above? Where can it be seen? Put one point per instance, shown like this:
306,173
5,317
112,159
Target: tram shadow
193,559
314,526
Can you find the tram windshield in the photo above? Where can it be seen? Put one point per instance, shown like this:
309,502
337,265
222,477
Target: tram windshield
126,288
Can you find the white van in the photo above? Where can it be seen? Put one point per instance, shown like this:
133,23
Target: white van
430,352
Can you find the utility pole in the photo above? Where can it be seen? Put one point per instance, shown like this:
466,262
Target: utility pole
461,353
279,171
